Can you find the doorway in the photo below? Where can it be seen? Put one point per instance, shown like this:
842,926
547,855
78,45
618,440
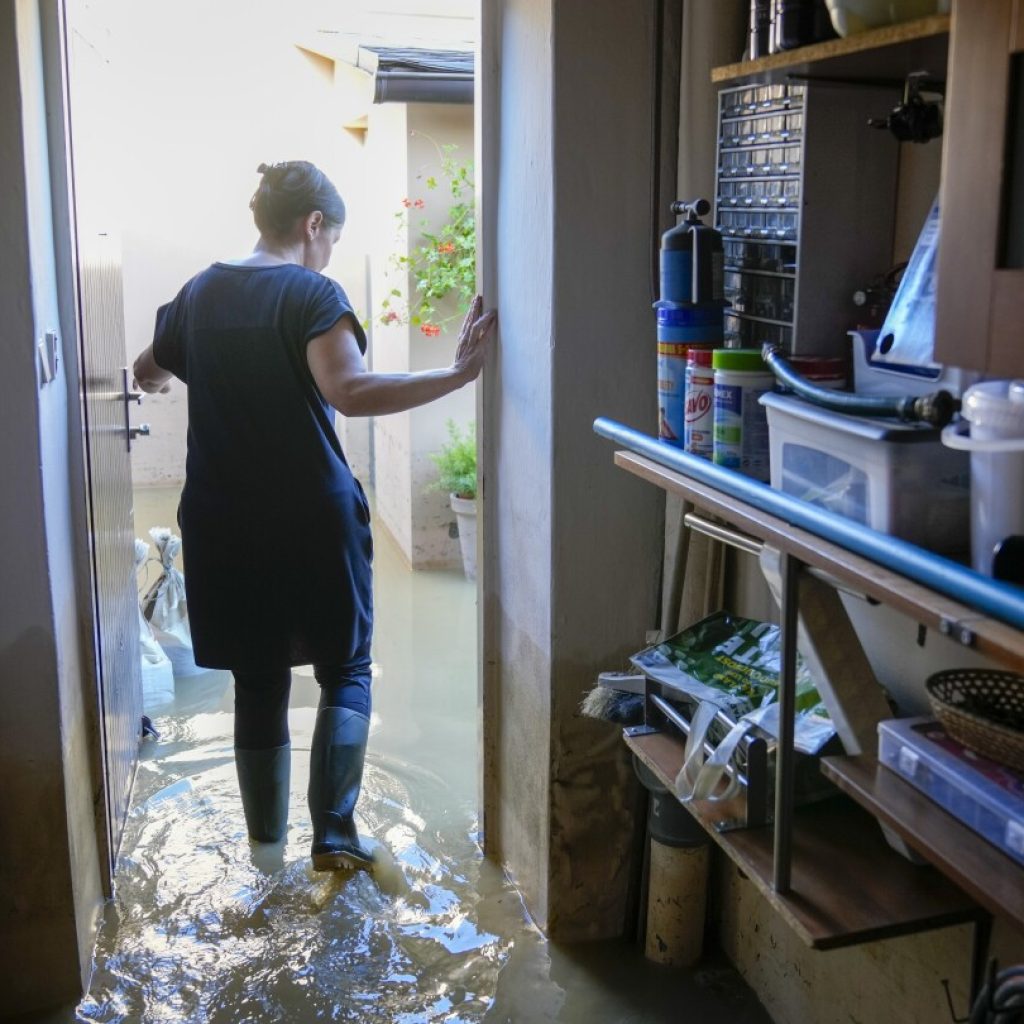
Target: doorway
193,902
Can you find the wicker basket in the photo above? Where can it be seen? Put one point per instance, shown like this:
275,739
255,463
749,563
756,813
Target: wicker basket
984,710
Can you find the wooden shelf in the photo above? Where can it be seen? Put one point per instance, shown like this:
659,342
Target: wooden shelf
883,54
848,886
984,635
983,871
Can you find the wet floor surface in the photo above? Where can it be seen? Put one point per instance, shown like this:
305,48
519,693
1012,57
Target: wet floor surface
206,927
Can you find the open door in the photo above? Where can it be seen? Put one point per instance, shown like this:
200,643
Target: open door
106,402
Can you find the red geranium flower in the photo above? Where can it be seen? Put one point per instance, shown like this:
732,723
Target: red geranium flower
407,203
430,330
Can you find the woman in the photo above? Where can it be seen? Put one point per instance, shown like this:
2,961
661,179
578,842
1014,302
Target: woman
275,528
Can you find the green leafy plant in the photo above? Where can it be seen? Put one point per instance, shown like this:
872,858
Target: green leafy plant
456,462
442,265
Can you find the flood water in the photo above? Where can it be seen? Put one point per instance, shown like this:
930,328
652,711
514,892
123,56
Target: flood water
206,927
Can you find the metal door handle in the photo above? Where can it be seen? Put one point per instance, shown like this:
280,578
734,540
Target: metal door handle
128,396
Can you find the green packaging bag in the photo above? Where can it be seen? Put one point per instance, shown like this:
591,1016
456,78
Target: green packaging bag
734,663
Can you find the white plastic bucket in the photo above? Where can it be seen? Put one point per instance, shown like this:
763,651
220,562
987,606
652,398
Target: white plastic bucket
995,412
852,16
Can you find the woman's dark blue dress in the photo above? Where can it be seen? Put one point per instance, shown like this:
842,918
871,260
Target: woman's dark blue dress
275,528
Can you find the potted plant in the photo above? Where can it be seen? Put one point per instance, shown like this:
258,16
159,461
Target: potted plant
456,467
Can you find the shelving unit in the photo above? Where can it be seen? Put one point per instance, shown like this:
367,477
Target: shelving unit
848,886
825,867
979,868
805,191
880,55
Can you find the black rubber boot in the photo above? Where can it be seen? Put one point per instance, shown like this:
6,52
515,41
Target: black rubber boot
335,774
263,778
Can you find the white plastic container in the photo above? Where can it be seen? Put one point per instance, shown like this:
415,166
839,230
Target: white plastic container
740,424
994,410
700,403
987,797
852,16
896,478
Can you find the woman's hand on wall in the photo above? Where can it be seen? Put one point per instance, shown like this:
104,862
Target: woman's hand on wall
473,338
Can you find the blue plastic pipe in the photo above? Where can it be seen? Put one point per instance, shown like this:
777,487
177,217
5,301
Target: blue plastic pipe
1001,601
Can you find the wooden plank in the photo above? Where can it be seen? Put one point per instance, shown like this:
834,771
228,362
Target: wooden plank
990,638
835,657
1006,356
973,168
888,52
983,871
848,886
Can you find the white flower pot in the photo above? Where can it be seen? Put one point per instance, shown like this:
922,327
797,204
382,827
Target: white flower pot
465,515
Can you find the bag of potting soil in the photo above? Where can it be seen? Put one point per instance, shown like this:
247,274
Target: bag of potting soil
733,663
166,608
157,673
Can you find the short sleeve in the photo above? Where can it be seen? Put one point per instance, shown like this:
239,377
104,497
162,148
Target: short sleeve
168,342
328,304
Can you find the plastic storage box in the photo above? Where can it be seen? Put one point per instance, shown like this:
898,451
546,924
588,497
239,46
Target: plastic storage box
896,478
987,797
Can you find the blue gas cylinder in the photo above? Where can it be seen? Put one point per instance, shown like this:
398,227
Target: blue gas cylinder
689,312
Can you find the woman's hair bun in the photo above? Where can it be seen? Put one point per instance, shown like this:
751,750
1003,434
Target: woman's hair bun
292,189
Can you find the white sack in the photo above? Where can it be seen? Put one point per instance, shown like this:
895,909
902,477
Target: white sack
165,607
157,673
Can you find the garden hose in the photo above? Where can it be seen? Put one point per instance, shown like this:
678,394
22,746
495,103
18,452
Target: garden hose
1001,1001
936,409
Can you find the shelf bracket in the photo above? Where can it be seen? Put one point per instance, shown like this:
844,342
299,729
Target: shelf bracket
785,755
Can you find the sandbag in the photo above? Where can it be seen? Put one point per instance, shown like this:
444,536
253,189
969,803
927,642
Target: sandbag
165,606
157,673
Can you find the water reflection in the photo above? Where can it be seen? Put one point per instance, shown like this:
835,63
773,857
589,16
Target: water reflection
208,927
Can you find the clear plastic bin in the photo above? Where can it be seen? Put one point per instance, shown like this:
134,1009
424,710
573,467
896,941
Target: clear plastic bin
986,797
758,223
757,254
770,297
759,99
741,333
897,478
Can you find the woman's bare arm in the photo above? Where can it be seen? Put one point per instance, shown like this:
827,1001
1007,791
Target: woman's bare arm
340,373
149,377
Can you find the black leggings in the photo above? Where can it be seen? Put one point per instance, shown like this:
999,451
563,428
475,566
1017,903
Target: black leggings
261,700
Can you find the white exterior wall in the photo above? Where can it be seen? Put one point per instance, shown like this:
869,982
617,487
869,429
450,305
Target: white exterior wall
192,143
400,157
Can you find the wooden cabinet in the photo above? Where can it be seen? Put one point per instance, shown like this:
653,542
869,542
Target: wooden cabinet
980,300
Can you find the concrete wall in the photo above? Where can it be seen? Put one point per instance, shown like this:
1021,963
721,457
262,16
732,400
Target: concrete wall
571,545
401,153
50,874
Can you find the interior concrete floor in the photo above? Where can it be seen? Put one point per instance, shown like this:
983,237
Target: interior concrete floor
206,927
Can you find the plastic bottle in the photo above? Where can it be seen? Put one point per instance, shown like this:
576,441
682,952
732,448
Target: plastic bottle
700,403
994,410
740,421
680,329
